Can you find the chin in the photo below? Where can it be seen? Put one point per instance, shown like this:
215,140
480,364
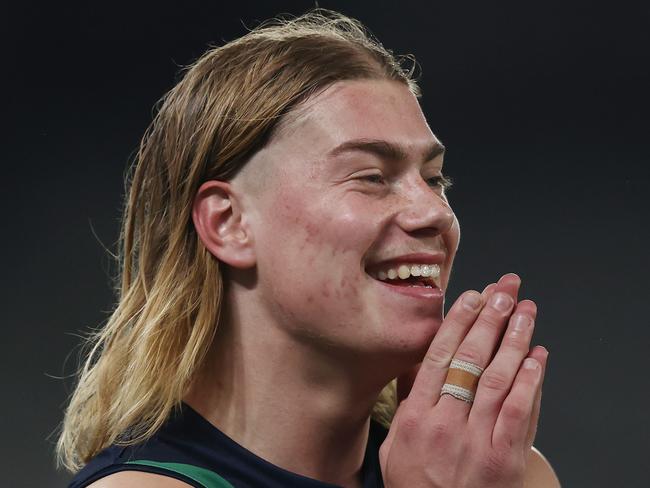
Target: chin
411,339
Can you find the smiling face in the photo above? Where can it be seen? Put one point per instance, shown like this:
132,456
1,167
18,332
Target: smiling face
350,188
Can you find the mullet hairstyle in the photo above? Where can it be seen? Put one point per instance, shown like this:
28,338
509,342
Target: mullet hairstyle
227,105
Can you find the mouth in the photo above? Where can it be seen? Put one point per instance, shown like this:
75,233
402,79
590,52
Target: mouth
412,272
413,275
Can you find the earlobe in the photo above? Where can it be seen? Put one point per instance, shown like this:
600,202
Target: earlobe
218,219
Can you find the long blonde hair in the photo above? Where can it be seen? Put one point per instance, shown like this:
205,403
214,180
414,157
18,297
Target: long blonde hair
139,365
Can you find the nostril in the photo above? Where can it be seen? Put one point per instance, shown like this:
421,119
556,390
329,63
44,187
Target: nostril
426,232
426,220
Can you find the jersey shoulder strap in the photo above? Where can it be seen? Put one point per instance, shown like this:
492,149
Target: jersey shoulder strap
204,477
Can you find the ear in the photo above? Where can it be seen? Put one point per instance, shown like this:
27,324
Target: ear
217,216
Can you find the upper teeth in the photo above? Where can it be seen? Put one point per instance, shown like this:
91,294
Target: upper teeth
405,271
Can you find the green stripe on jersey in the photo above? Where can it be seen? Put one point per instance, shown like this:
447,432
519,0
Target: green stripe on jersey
205,477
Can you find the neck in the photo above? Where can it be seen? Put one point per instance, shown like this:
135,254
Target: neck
286,402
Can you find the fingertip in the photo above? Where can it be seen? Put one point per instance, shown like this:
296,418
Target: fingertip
509,283
540,353
528,306
488,290
510,277
472,300
541,350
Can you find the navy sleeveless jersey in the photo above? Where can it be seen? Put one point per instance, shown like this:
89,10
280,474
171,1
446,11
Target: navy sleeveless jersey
191,449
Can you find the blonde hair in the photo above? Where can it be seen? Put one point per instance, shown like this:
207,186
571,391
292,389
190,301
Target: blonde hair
228,103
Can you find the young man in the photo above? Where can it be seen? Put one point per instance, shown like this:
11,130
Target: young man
287,244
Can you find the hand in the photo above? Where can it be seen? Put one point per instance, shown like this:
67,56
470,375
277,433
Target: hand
440,441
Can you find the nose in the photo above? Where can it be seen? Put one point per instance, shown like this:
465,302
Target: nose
425,209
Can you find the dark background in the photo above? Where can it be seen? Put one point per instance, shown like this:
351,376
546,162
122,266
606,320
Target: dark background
543,107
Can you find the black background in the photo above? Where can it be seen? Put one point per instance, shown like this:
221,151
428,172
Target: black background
543,107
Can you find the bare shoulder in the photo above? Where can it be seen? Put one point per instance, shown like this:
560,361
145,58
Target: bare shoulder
137,479
539,473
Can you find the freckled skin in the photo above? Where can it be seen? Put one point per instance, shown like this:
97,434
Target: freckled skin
326,290
314,226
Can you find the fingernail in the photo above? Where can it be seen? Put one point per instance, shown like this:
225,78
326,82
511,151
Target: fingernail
521,322
502,302
530,363
472,300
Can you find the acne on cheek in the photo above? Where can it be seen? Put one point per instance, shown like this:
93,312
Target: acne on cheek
319,238
348,287
319,304
293,216
315,228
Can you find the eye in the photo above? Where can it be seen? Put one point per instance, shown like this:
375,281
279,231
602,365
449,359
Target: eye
375,178
439,181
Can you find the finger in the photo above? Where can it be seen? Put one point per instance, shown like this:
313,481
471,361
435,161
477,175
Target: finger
496,381
405,381
481,341
487,291
506,284
513,420
433,370
541,354
510,284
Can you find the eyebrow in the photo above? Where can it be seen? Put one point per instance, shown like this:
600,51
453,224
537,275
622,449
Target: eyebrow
386,150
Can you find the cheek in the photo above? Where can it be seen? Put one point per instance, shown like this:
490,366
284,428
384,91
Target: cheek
451,239
310,255
321,229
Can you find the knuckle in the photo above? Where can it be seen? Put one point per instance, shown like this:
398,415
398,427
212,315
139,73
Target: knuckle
410,422
499,467
469,353
494,380
439,432
438,355
515,411
492,323
514,341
